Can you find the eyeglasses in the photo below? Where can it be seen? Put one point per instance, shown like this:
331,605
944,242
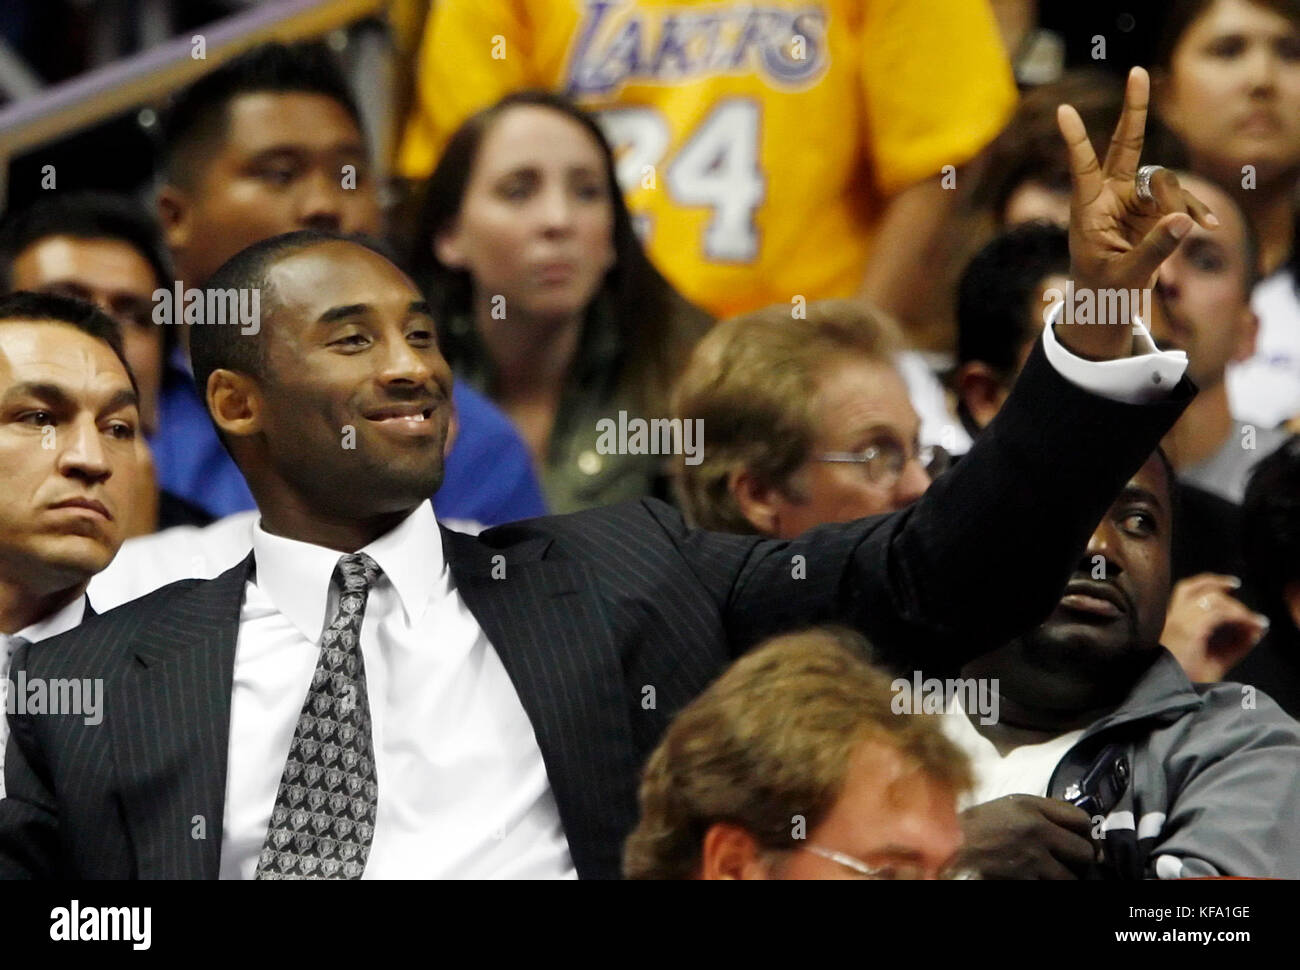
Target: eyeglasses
891,872
884,461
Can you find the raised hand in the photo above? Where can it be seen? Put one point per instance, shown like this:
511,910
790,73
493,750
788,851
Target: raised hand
1208,629
1117,239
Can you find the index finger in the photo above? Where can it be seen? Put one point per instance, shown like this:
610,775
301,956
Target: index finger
1085,174
1130,132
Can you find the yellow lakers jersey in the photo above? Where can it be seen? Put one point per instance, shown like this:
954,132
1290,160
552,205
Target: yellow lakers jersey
756,142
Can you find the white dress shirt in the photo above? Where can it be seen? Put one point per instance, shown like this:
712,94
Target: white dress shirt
58,622
463,791
1140,379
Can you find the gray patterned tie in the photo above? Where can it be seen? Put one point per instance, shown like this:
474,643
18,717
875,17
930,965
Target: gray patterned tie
324,815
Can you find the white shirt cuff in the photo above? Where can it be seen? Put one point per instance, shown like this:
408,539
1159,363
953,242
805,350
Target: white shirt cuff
1147,376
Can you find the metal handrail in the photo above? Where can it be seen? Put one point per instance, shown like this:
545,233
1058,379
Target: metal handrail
151,74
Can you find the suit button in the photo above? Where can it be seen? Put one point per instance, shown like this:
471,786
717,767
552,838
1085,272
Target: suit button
589,463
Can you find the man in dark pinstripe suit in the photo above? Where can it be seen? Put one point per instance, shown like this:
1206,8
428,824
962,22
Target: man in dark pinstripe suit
69,467
606,622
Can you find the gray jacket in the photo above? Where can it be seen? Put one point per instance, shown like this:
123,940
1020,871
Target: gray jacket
1214,782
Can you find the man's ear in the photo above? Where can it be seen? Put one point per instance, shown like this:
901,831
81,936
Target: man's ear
729,852
1247,334
757,502
174,214
979,388
235,403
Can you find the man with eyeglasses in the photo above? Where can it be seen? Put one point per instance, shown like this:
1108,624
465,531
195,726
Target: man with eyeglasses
806,421
793,765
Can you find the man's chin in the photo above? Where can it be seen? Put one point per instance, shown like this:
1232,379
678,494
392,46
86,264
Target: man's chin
1088,647
66,560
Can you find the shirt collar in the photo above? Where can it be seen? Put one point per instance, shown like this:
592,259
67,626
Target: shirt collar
296,575
58,622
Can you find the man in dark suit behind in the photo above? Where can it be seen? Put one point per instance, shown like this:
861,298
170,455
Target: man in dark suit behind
69,463
481,706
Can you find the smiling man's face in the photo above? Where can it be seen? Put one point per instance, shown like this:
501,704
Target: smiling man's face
356,396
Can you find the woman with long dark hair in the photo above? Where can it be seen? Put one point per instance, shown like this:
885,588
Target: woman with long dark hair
544,296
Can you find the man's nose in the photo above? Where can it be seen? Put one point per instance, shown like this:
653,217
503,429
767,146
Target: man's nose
1101,549
1262,68
406,364
912,483
81,451
320,206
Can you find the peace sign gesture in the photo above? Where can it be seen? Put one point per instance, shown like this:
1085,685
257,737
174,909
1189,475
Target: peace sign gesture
1118,239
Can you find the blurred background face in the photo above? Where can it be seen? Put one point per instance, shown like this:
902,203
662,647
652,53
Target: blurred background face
1201,291
1035,202
536,223
114,276
348,347
890,816
279,168
68,425
1233,91
859,403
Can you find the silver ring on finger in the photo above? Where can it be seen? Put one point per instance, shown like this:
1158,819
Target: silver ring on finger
1143,181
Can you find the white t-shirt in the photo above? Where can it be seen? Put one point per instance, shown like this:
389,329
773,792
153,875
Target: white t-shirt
1026,770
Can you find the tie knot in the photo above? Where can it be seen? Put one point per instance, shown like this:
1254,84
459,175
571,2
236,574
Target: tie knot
357,572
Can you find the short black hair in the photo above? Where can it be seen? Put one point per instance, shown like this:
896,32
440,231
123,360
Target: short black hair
993,320
226,347
1270,527
26,307
84,215
196,117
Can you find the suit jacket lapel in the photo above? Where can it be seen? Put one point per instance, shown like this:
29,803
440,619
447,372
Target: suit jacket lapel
547,625
172,729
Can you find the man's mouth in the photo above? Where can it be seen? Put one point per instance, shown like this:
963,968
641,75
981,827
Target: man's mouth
88,504
1094,598
411,419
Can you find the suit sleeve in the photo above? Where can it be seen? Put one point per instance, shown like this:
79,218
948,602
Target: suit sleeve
29,830
980,558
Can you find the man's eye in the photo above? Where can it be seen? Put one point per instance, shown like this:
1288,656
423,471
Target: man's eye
122,430
279,175
37,418
1207,262
1140,522
351,340
420,336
